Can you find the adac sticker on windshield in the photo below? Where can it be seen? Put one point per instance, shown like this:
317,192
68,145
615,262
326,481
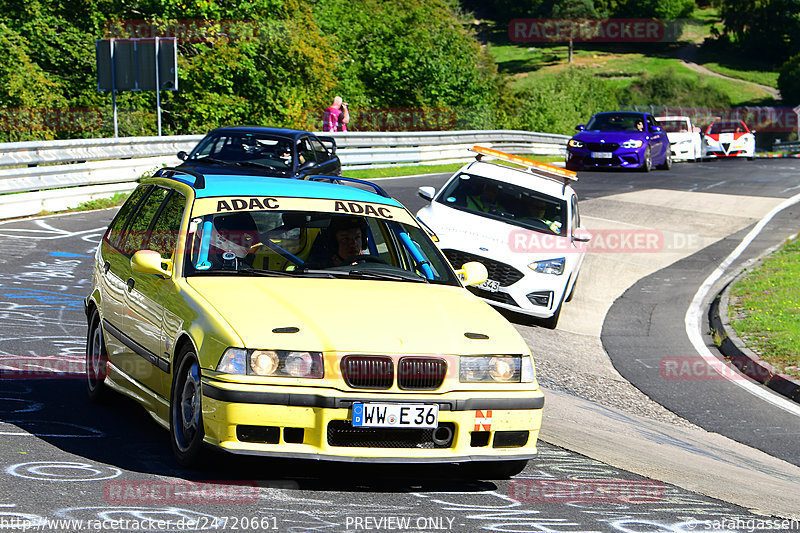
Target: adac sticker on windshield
363,208
230,204
241,204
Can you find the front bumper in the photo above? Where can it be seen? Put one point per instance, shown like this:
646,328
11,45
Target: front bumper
620,158
520,297
314,423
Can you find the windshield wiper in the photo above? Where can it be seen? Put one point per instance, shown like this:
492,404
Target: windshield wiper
214,160
372,274
259,165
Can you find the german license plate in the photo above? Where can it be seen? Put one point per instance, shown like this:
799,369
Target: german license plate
601,155
395,415
490,285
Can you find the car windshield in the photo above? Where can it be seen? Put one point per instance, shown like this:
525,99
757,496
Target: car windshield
726,127
247,149
313,244
673,126
504,201
616,122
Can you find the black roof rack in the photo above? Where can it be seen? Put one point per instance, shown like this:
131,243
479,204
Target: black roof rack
338,179
169,172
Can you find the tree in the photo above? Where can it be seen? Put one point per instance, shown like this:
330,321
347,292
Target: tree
789,81
772,27
576,10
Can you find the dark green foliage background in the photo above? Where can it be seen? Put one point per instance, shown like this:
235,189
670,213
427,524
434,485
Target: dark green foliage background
280,62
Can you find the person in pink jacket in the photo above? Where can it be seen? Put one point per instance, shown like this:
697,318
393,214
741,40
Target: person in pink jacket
336,117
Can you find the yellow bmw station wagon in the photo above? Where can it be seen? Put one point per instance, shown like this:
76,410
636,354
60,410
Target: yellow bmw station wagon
304,319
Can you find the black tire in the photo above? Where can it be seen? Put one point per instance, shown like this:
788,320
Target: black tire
186,429
647,164
571,166
667,164
493,469
96,359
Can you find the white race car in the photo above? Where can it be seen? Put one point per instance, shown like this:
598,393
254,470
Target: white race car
684,137
729,138
522,224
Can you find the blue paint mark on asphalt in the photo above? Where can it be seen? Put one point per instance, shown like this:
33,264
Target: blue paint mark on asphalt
48,298
66,254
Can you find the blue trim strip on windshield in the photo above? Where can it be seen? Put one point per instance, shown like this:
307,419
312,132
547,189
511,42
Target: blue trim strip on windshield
417,255
202,260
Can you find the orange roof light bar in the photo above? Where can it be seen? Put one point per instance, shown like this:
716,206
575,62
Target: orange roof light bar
527,163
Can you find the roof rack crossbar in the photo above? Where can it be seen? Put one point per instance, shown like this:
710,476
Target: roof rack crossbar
337,179
548,171
169,172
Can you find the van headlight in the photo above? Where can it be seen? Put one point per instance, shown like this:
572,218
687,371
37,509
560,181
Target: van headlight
274,363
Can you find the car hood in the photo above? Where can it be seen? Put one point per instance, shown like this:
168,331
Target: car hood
609,136
485,237
358,316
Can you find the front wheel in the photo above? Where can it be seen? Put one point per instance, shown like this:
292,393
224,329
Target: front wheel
647,162
186,413
96,359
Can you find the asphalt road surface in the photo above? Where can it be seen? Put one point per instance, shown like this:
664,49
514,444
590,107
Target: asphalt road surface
109,467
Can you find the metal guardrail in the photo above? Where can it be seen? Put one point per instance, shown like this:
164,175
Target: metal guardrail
792,147
103,166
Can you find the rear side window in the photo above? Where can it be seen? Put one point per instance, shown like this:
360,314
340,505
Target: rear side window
164,233
319,149
137,233
116,229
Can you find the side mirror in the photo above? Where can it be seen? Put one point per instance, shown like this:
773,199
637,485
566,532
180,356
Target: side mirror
657,129
580,127
472,273
426,193
581,235
151,262
183,156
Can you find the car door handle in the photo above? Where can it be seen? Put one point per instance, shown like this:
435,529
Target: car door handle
131,283
106,267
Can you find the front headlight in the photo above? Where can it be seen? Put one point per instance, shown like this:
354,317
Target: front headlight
549,266
575,143
275,363
632,144
490,368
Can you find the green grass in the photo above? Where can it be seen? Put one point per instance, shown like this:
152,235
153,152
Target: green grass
391,172
619,65
765,309
101,203
620,69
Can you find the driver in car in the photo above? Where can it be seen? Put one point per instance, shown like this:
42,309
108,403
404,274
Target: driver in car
348,238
